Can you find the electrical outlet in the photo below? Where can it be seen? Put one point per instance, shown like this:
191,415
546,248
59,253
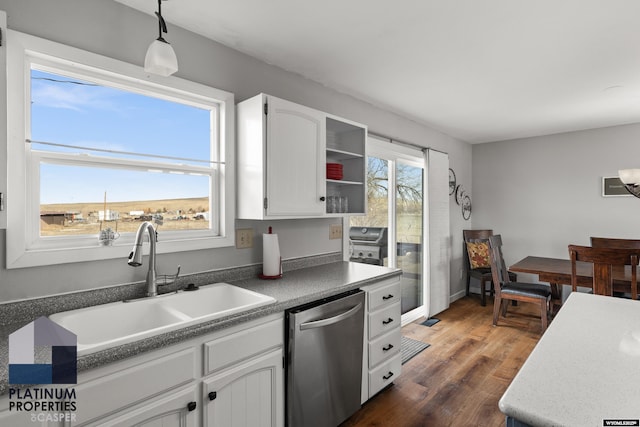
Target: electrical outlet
335,231
244,238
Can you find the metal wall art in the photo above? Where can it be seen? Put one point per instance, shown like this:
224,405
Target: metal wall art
463,200
452,181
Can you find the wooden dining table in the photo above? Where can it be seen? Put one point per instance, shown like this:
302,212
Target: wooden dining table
557,272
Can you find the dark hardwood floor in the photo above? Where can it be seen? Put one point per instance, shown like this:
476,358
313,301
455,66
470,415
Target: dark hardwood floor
460,378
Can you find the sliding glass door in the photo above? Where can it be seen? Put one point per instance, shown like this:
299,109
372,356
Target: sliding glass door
395,186
409,236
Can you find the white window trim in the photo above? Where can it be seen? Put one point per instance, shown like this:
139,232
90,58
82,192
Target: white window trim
22,253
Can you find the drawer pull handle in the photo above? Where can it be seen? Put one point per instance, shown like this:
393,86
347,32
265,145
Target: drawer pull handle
212,395
387,348
386,377
386,322
387,297
191,406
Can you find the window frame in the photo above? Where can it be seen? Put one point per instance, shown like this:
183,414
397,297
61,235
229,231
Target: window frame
25,247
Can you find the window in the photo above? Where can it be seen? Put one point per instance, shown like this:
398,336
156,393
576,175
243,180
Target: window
96,144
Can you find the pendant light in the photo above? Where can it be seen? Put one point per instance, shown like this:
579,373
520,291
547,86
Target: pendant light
160,58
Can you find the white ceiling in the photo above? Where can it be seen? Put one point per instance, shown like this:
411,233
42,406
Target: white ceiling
477,70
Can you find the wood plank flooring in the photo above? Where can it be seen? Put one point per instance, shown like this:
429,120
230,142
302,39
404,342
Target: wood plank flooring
460,378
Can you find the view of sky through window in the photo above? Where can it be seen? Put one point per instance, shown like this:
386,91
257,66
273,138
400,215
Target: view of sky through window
79,113
88,120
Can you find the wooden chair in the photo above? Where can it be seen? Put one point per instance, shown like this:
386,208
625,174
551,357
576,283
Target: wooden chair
507,290
482,274
604,259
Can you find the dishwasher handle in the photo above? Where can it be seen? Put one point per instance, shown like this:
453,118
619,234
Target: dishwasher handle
331,320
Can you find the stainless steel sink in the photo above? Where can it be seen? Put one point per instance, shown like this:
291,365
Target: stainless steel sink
108,325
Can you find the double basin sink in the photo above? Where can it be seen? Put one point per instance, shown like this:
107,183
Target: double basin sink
108,325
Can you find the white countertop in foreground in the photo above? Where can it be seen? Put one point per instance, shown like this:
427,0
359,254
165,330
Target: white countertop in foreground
585,369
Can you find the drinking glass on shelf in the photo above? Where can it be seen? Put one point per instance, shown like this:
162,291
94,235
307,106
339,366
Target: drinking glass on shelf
344,204
331,204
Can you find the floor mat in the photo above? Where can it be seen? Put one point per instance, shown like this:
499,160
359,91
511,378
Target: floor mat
411,347
430,322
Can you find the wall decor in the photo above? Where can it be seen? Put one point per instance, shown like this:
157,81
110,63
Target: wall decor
459,193
464,201
466,207
613,187
452,181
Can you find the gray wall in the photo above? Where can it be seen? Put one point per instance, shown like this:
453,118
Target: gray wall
545,193
113,30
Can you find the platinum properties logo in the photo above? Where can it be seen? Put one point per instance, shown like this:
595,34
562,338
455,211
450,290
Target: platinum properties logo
43,352
44,404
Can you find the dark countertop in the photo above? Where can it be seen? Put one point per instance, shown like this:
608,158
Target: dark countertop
294,288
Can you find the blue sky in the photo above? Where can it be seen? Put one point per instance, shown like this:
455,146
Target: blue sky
95,116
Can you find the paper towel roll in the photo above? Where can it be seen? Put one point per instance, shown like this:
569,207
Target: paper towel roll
270,255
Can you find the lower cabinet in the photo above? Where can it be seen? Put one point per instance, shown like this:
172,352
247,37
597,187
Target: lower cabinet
23,419
177,408
247,395
230,378
382,363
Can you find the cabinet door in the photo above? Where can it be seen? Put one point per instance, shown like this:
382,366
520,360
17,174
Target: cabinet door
29,419
177,408
248,395
295,160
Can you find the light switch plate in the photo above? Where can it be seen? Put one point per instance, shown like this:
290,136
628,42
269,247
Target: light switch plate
244,238
335,231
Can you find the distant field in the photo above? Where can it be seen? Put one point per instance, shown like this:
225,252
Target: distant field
90,223
408,224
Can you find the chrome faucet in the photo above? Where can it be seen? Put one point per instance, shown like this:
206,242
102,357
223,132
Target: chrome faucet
135,257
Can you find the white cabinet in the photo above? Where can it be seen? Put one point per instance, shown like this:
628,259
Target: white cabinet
150,390
15,418
178,408
383,361
283,151
346,147
131,389
231,378
247,395
245,387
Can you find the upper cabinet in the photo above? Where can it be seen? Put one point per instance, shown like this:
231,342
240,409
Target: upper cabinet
297,162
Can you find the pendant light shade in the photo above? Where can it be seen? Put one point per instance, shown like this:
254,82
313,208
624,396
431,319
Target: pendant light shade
160,58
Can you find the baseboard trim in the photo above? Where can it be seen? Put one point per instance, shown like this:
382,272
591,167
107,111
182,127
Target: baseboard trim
457,296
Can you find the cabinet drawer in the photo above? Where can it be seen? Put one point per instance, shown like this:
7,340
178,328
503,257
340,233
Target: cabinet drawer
384,320
385,374
385,293
384,347
238,346
107,394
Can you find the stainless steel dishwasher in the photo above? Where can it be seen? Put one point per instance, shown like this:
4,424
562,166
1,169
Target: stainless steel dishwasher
324,360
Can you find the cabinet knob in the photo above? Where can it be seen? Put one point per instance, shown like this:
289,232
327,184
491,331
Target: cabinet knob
389,375
212,395
191,406
386,322
322,198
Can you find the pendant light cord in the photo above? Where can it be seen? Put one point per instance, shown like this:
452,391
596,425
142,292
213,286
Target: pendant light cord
162,26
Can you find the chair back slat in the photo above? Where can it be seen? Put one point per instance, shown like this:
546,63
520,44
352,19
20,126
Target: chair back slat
603,260
498,266
606,242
